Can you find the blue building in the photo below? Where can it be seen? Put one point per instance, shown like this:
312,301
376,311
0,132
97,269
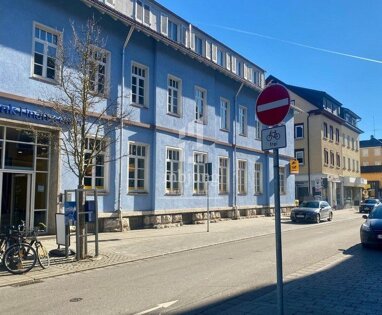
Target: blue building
191,101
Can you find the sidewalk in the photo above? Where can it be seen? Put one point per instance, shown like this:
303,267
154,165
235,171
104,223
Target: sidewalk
122,247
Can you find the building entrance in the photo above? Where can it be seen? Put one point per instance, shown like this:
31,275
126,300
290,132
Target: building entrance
15,198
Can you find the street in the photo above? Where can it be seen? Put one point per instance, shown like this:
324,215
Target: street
194,280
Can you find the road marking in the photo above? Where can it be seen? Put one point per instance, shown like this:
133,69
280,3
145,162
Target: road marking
162,305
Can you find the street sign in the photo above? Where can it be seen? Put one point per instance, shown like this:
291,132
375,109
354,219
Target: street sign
273,138
294,166
273,104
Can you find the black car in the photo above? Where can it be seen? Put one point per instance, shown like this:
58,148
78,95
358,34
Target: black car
371,230
313,211
369,204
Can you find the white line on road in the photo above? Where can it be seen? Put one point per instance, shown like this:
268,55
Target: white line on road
162,305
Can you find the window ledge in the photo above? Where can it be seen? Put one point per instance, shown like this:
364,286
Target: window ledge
199,194
224,129
135,193
223,194
174,115
139,105
202,122
45,80
172,194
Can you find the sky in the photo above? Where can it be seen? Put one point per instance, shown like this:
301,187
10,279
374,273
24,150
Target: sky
328,45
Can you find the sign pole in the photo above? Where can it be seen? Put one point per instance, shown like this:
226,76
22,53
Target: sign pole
279,258
208,207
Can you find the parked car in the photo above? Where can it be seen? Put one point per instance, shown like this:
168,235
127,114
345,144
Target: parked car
313,211
369,204
371,229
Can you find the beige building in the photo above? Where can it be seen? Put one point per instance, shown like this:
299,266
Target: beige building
326,146
371,166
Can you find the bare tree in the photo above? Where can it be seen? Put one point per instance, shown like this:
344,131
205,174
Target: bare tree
83,98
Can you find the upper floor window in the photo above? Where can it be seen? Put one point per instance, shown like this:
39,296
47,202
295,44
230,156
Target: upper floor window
172,30
95,153
349,164
242,120
139,89
242,177
223,175
146,15
224,114
258,178
239,68
325,130
109,2
331,158
338,160
299,155
337,135
377,151
174,89
282,179
326,157
299,131
352,143
348,141
98,69
343,139
331,134
220,58
173,171
138,164
258,130
200,173
200,104
198,45
139,10
343,162
365,152
45,47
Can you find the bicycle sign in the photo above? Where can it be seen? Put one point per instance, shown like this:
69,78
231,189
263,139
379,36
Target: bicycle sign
273,138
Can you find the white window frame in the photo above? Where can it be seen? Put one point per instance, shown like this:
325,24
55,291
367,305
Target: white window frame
145,78
184,36
200,176
228,61
46,46
171,174
233,64
146,14
200,117
224,114
258,128
299,154
243,121
223,175
137,157
171,90
242,166
214,50
258,178
296,127
93,164
164,24
103,60
208,49
282,180
139,11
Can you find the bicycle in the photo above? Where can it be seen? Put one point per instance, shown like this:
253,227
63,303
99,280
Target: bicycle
42,253
273,135
20,257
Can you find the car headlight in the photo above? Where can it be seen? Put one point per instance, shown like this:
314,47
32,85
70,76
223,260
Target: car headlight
365,227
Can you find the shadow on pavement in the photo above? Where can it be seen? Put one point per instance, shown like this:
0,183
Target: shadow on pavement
351,284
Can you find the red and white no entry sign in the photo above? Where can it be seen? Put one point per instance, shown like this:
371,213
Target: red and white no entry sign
272,105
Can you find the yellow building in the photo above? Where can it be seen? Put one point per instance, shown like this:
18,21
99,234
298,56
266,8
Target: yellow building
327,147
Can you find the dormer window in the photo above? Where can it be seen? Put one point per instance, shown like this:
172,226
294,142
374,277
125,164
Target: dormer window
220,61
172,31
198,45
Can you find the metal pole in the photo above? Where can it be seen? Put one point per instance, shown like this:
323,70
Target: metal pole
96,222
77,226
208,205
279,258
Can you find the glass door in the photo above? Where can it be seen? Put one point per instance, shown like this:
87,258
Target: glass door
15,198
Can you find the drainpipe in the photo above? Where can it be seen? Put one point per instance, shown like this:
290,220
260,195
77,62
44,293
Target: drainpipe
308,140
119,207
236,213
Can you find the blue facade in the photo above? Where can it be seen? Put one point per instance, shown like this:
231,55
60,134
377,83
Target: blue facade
150,126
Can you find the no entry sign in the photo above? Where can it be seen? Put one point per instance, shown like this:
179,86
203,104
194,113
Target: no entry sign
272,105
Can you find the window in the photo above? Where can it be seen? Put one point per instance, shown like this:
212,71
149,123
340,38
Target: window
343,139
223,175
258,178
184,37
352,144
239,68
139,11
331,158
173,171
337,135
214,52
243,121
325,130
282,180
174,88
139,76
228,61
331,134
258,128
45,46
348,141
242,177
198,45
343,162
349,164
299,131
95,153
200,174
208,50
98,71
258,78
338,160
138,155
172,31
146,17
377,151
164,24
353,164
357,165
299,155
326,157
220,60
233,64
200,104
365,152
224,114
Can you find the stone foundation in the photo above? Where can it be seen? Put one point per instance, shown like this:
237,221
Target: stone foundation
158,221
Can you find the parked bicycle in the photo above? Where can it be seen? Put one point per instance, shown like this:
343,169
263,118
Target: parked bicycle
42,253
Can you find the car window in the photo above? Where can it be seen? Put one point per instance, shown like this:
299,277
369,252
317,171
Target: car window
372,201
325,204
376,213
309,204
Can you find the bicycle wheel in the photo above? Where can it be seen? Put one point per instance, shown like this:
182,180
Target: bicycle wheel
43,256
19,258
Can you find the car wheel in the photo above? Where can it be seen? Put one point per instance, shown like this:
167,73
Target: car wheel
330,218
318,218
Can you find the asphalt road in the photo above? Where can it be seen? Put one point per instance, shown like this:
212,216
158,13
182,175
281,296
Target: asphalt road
189,279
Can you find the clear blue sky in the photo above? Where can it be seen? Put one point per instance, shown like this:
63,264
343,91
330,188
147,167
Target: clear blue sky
333,46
